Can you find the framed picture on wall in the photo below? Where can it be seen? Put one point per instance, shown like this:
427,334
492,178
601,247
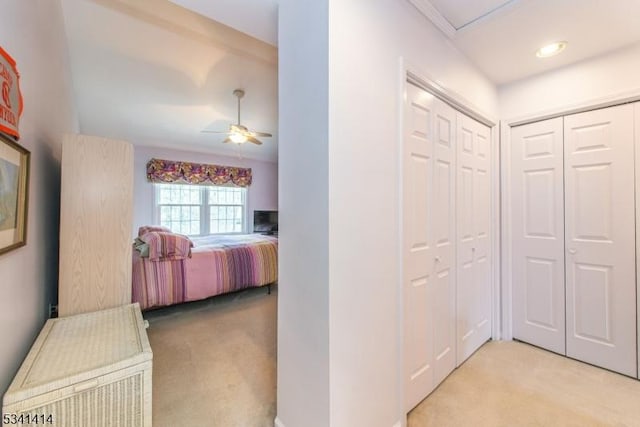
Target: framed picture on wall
14,194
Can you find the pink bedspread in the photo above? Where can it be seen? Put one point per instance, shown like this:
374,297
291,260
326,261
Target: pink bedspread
218,264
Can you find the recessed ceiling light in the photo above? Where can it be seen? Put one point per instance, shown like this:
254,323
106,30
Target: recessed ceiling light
551,49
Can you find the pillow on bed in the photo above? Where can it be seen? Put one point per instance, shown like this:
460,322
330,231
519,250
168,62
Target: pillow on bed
142,247
167,246
148,228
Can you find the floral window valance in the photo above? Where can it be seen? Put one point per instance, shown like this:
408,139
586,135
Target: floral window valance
168,171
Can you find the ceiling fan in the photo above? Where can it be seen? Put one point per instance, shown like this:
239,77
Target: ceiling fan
238,133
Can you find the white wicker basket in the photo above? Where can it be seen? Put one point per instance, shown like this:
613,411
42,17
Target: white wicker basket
89,370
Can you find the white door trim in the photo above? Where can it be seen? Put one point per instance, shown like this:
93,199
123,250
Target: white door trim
592,104
400,379
636,136
505,202
449,96
505,231
497,325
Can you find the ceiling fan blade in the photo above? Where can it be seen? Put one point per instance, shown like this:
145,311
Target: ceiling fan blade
213,131
238,133
264,134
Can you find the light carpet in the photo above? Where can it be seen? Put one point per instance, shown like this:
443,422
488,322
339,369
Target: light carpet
215,365
214,361
515,384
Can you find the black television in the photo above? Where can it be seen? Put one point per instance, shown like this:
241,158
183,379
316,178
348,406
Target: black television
265,222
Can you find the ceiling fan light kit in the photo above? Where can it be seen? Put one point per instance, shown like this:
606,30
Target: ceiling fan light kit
239,134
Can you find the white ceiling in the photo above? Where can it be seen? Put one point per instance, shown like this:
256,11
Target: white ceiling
166,73
169,71
501,37
258,18
460,13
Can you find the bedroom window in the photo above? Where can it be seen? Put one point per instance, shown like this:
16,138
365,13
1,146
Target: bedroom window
200,210
226,210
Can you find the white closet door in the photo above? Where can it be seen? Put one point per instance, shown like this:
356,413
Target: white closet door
429,242
444,228
417,244
537,213
637,143
600,243
474,243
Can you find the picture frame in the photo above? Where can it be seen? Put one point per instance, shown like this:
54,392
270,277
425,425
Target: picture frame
14,194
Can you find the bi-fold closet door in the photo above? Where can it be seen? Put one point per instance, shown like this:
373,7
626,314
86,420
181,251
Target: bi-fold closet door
537,233
473,236
433,311
573,236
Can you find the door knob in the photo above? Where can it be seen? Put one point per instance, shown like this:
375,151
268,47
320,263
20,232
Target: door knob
573,251
437,259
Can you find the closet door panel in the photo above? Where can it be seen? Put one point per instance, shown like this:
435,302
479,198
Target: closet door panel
429,239
482,249
418,280
465,290
600,242
537,232
444,262
473,237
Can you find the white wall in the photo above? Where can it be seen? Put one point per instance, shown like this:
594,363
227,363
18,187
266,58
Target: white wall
261,195
303,246
366,40
604,76
32,32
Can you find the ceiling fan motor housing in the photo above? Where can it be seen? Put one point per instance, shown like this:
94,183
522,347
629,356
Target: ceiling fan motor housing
238,133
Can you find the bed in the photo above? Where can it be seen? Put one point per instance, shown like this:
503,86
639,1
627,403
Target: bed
179,269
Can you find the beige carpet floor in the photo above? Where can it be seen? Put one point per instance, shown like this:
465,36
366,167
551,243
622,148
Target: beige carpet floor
515,384
215,365
214,361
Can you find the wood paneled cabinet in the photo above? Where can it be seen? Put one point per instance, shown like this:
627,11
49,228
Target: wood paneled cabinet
96,214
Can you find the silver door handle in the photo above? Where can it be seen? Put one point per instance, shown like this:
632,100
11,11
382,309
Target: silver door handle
573,251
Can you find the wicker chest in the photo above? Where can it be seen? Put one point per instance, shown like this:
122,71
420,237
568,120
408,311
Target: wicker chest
91,369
